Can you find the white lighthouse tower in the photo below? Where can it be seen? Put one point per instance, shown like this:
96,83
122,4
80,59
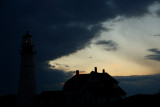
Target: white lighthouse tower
27,83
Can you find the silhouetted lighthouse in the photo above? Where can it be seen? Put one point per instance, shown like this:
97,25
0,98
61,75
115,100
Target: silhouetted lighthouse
27,83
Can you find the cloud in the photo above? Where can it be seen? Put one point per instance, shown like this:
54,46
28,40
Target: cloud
158,12
59,27
51,79
58,66
155,56
157,35
108,45
145,84
62,27
131,8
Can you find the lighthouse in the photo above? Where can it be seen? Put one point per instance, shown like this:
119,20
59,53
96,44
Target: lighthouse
27,82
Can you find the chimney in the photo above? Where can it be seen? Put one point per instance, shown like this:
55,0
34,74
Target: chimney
95,69
103,71
77,72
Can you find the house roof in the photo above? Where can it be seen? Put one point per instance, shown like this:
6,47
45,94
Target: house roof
96,83
77,81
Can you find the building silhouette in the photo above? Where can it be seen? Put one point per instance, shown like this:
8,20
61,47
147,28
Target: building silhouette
27,82
92,89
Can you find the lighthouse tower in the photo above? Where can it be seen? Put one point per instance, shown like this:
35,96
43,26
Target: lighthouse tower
27,83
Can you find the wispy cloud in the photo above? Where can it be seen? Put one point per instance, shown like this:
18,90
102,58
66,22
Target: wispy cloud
157,35
155,56
108,45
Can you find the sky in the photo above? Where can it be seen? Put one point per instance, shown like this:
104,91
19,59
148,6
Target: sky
120,36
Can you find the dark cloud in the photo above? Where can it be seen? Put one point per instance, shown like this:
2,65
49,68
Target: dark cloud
49,79
66,65
157,35
108,45
155,56
59,65
59,27
158,13
145,84
131,8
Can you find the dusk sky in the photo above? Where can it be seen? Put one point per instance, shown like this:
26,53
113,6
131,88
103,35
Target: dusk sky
120,36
